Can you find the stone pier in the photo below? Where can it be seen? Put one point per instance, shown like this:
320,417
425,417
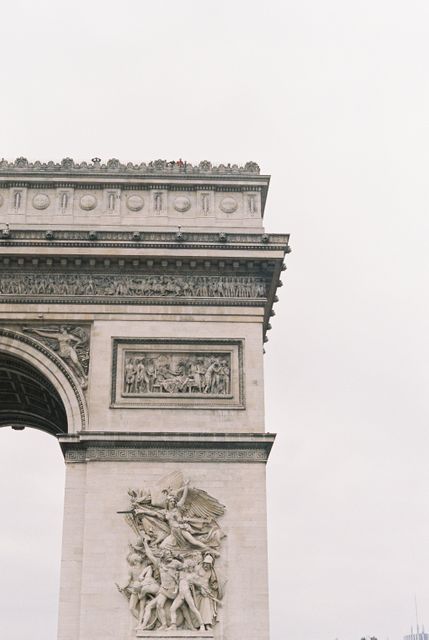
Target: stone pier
135,301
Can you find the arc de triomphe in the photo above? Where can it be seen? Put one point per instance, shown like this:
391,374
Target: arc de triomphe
135,301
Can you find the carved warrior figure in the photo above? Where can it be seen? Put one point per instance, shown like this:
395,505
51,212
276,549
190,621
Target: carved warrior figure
66,342
168,568
140,583
172,581
210,591
120,285
162,373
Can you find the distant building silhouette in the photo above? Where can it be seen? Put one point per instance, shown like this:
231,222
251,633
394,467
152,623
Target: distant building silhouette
418,635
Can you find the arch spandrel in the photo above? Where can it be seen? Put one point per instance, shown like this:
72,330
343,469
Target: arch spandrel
53,378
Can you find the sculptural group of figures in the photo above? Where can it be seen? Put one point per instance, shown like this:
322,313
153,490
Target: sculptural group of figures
179,373
70,284
173,582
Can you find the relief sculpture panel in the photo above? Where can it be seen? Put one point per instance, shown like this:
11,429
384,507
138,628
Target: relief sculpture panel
177,373
173,580
118,286
185,374
71,344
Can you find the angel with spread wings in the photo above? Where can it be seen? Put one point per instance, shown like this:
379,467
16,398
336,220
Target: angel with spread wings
178,516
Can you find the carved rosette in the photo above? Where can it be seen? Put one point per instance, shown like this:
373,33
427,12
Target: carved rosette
135,202
182,204
41,201
88,202
229,205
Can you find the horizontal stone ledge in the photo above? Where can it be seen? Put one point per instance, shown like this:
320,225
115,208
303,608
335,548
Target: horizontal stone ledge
167,436
168,446
92,300
176,633
222,238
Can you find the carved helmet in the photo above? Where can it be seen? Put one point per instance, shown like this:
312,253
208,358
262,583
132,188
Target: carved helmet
208,559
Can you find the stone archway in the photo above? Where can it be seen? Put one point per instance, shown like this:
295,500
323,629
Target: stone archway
37,388
28,399
140,295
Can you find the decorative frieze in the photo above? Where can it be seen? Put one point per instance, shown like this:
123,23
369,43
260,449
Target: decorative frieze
169,373
166,454
165,239
156,446
43,207
117,286
178,374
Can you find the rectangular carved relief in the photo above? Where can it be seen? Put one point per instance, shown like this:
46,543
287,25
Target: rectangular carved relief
117,287
171,373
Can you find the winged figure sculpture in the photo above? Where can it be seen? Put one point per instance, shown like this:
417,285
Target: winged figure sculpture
174,515
172,575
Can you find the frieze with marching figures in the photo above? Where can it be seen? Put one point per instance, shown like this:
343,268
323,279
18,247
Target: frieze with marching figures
121,286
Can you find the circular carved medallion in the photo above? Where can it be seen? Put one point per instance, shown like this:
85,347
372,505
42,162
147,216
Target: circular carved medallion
88,202
228,205
182,204
135,203
41,201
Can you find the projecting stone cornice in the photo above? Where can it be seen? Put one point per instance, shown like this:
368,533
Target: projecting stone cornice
162,268
168,446
150,239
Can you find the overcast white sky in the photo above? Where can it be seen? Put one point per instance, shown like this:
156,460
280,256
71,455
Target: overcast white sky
332,98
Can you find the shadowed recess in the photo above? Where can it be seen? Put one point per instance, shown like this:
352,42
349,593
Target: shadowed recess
28,399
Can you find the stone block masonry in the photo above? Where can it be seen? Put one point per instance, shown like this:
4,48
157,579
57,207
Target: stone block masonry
136,299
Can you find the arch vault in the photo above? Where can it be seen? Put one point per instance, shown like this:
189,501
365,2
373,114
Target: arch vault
37,389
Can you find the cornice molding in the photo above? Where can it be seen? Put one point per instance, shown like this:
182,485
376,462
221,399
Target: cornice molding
139,239
167,447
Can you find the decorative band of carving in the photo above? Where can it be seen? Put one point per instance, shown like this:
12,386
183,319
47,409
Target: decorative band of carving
167,454
122,287
147,239
91,300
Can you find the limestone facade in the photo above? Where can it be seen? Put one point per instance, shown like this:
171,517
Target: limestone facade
142,294
160,195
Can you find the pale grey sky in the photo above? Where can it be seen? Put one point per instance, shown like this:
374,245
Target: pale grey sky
332,99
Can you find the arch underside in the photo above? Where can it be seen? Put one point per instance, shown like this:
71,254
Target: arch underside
29,399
